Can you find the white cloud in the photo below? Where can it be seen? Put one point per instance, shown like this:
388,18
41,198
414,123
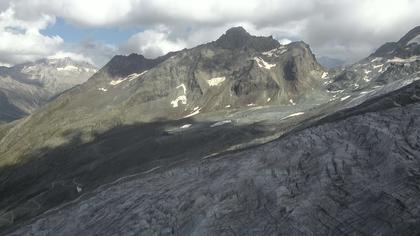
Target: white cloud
152,43
72,55
347,29
21,41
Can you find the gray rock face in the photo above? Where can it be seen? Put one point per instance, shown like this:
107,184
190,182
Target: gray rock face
27,86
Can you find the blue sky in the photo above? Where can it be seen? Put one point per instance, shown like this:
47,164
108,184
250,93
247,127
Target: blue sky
75,34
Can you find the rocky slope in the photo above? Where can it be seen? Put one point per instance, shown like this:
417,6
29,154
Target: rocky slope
356,176
209,78
158,148
25,87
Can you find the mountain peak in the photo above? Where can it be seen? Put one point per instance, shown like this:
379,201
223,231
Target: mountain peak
239,38
236,32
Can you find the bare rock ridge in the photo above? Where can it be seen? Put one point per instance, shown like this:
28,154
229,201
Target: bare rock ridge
407,46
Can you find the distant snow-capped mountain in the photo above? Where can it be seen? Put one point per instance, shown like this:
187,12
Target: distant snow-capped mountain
25,87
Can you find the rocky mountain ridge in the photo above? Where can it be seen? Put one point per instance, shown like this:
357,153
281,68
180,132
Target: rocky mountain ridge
26,87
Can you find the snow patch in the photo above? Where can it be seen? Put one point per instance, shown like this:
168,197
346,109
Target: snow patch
216,81
227,106
268,99
269,53
182,99
183,88
367,71
292,102
263,64
378,66
135,75
193,114
68,68
376,59
103,89
365,92
344,98
78,189
294,114
186,126
366,78
129,78
118,81
275,52
324,75
221,123
403,60
250,105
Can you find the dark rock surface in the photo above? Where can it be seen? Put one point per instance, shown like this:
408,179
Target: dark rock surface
356,176
238,38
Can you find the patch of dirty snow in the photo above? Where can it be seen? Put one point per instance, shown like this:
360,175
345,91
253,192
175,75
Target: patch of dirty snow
292,102
118,81
221,123
68,68
403,60
186,126
193,114
344,98
182,99
216,81
263,64
376,59
294,114
135,75
183,88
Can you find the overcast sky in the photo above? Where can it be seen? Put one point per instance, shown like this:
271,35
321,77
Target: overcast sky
95,30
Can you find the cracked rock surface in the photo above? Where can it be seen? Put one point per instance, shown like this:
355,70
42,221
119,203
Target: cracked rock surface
358,176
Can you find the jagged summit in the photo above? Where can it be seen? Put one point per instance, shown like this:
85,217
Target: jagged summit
239,38
407,46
